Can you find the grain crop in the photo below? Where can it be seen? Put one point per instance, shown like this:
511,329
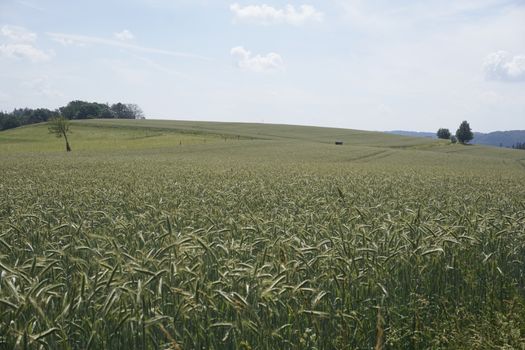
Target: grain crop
245,243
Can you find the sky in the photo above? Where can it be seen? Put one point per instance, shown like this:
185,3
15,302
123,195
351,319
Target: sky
369,65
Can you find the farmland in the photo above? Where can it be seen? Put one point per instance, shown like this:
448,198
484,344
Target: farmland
187,235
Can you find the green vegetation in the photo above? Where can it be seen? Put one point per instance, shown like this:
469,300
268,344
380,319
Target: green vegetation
89,110
187,235
444,134
464,133
59,126
73,110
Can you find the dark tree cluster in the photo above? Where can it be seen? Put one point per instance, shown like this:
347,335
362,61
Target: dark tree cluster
73,110
443,134
463,134
25,116
91,110
519,145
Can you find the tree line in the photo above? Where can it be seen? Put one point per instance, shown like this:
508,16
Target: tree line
519,145
464,134
73,110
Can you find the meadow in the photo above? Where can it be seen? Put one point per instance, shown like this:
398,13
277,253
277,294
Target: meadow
195,235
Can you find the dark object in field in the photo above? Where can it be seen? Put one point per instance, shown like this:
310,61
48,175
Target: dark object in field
339,143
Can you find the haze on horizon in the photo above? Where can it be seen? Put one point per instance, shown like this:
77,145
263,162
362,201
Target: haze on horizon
372,65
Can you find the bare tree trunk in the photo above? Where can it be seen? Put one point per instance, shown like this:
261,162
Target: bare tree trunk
68,148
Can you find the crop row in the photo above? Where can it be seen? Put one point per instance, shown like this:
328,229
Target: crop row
144,253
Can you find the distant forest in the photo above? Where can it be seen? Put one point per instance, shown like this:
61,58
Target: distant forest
73,110
519,145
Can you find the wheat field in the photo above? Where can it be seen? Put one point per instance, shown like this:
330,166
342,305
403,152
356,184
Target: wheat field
186,235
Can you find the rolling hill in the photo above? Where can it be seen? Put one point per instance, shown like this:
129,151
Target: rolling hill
198,235
108,135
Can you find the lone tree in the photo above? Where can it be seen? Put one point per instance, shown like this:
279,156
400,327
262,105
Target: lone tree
443,134
464,133
60,127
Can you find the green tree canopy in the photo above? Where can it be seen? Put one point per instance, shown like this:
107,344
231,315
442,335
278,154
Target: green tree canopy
86,110
8,121
73,110
464,133
443,134
127,111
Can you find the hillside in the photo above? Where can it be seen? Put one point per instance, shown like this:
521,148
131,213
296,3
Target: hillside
196,235
500,138
252,142
110,135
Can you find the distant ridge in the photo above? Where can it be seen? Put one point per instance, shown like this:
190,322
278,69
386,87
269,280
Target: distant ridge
495,138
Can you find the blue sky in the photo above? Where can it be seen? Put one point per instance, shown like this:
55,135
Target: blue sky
373,65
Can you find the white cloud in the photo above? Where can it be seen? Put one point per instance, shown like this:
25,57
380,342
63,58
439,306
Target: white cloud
124,35
246,61
18,34
502,65
24,51
265,14
68,42
20,44
72,39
